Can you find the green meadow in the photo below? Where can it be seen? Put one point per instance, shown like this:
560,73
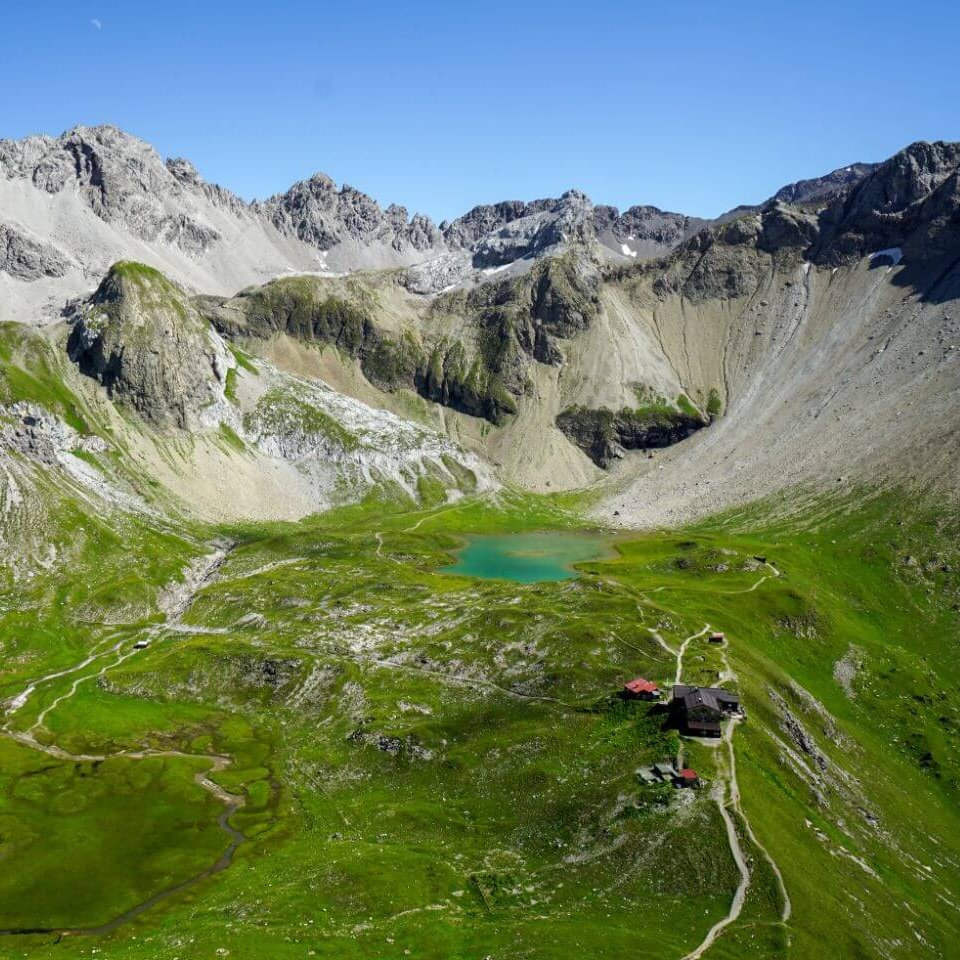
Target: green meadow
437,765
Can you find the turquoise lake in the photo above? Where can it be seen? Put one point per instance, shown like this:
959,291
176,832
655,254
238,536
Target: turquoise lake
528,557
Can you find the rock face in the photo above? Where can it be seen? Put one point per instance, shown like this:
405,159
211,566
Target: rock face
819,189
912,201
209,240
120,178
483,370
907,208
25,258
604,435
146,343
643,232
543,318
305,308
323,216
43,436
500,234
95,195
830,332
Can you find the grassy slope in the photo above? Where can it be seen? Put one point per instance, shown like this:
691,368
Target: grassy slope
437,765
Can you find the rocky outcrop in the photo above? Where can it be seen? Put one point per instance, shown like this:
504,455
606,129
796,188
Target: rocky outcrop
42,435
644,231
466,231
507,326
140,336
730,260
909,204
120,178
306,309
912,202
816,191
721,263
544,227
605,435
820,189
437,275
525,319
322,215
26,258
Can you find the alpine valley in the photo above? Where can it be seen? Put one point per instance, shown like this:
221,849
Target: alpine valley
554,582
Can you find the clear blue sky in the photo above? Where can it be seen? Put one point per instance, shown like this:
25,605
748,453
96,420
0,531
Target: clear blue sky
692,106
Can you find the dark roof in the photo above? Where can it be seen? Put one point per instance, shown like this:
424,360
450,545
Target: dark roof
715,698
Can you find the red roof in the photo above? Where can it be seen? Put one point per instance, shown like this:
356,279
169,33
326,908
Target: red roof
687,774
640,685
716,633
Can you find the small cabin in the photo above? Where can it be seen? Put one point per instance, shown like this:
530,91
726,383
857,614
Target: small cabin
141,645
686,778
698,711
641,689
716,637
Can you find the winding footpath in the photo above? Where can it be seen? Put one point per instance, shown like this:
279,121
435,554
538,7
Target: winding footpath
726,793
175,604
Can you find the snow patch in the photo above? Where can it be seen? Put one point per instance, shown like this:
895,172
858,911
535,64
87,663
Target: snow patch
627,252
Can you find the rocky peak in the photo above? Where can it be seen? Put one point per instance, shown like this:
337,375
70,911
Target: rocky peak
321,215
911,201
907,178
910,204
119,177
826,187
816,190
141,337
108,166
643,231
485,219
501,234
184,172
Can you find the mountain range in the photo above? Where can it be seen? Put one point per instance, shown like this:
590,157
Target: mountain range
557,341
360,576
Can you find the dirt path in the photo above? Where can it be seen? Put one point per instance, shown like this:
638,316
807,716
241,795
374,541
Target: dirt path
73,688
18,701
175,603
266,568
773,575
787,907
453,506
678,654
726,785
726,795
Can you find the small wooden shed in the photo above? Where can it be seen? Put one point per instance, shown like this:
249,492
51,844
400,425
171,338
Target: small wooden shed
641,689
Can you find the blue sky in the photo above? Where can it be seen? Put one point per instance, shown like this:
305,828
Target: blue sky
691,106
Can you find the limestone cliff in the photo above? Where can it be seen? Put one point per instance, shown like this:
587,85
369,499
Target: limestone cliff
142,338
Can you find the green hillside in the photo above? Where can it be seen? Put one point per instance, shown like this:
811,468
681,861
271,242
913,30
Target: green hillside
427,765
